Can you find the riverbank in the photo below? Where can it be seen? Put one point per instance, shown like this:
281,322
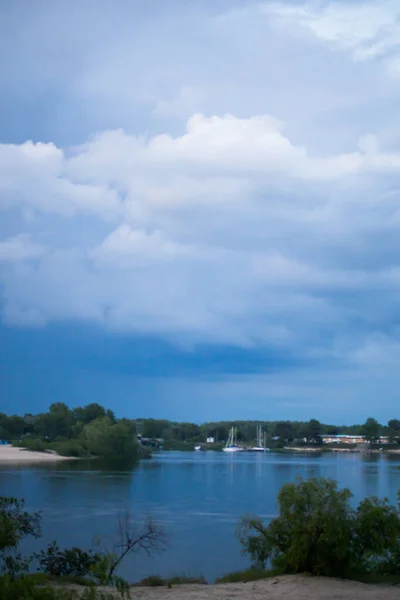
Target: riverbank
288,587
341,449
11,454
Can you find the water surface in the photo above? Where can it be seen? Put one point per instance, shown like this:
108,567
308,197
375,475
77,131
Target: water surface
197,496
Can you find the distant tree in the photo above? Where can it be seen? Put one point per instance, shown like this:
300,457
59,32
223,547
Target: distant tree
110,440
111,415
89,413
154,428
57,422
59,408
394,430
284,430
331,430
371,430
311,431
13,427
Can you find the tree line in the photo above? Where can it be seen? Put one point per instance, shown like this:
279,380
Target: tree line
278,433
93,430
84,431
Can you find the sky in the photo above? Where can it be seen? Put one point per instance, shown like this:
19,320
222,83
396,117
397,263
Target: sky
200,208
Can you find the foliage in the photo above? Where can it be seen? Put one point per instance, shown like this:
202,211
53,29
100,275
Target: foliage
153,581
157,581
82,432
318,532
15,525
394,430
71,561
89,428
245,576
104,438
278,433
26,588
371,430
98,567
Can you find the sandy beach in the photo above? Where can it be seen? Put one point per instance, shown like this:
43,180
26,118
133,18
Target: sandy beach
288,587
10,454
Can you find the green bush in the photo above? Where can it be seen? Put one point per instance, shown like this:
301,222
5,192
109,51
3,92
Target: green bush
25,588
318,532
70,448
157,581
35,444
61,563
153,581
245,576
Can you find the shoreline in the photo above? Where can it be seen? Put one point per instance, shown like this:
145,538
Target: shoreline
348,450
11,454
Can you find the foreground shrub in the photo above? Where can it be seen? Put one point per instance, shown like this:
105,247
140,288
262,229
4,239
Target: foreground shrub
25,588
70,562
318,532
15,525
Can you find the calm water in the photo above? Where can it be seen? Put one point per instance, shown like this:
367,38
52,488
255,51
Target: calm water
198,497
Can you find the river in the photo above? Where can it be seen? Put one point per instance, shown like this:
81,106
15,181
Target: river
197,496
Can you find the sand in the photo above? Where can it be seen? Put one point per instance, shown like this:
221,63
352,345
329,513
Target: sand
10,454
289,587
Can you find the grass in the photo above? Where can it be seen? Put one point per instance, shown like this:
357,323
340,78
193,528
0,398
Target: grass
245,576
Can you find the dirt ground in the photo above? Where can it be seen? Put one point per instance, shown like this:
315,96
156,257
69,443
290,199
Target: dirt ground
289,587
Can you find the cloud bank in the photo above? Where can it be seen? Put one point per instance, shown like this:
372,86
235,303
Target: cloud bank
224,175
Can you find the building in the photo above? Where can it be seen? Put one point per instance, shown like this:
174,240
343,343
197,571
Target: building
210,440
350,439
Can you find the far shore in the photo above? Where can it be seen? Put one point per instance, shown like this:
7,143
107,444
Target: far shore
11,454
353,450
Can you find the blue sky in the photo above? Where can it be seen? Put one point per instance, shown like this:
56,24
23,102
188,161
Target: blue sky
199,208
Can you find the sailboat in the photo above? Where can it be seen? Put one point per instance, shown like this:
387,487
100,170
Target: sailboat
260,441
231,444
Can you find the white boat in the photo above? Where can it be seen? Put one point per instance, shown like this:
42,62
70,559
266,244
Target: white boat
197,448
231,444
260,442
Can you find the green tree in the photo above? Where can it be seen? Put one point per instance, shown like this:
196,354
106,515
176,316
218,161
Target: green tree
371,430
12,427
377,535
394,430
105,439
89,413
317,531
284,430
15,525
311,431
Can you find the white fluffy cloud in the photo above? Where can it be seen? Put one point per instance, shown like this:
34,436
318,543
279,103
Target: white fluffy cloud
229,232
